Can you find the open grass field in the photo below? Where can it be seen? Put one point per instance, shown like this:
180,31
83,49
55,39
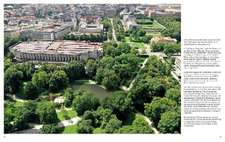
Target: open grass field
134,44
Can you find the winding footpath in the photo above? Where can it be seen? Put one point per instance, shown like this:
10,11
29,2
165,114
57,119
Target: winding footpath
37,128
113,30
148,50
150,124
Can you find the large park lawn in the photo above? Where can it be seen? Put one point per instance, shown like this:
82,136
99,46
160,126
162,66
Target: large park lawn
154,25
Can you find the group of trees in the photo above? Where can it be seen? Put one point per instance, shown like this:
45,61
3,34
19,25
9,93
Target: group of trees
9,41
17,117
152,81
142,19
84,102
111,116
92,38
139,125
154,94
55,78
173,26
53,81
15,74
30,81
165,114
138,35
120,35
167,48
118,65
107,27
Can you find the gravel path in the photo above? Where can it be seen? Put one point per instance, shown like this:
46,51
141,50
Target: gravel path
37,128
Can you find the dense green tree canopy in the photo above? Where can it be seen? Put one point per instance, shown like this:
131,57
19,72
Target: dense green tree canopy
49,129
30,91
46,113
69,96
13,79
27,69
16,117
90,68
144,90
40,79
170,122
158,106
120,104
85,102
9,41
113,125
111,81
58,80
74,70
84,126
174,94
139,125
167,48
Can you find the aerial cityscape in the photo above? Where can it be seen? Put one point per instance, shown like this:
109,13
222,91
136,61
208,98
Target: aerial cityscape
92,68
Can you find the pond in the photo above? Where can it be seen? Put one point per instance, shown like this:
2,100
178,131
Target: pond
97,90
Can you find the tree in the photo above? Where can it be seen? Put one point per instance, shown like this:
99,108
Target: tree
74,70
170,122
30,91
8,127
46,113
40,80
139,125
9,41
48,68
12,79
174,94
113,125
107,62
91,67
158,106
110,50
85,102
84,126
146,39
49,129
27,69
20,123
58,80
120,104
140,94
7,63
141,32
111,81
28,111
69,96
102,116
124,47
99,75
89,115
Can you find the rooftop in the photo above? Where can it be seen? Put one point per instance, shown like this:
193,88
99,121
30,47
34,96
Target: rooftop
57,47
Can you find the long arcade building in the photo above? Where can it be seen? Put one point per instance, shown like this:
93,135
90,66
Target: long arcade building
57,51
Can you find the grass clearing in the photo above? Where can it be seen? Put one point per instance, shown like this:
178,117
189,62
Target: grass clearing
70,129
66,114
134,44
